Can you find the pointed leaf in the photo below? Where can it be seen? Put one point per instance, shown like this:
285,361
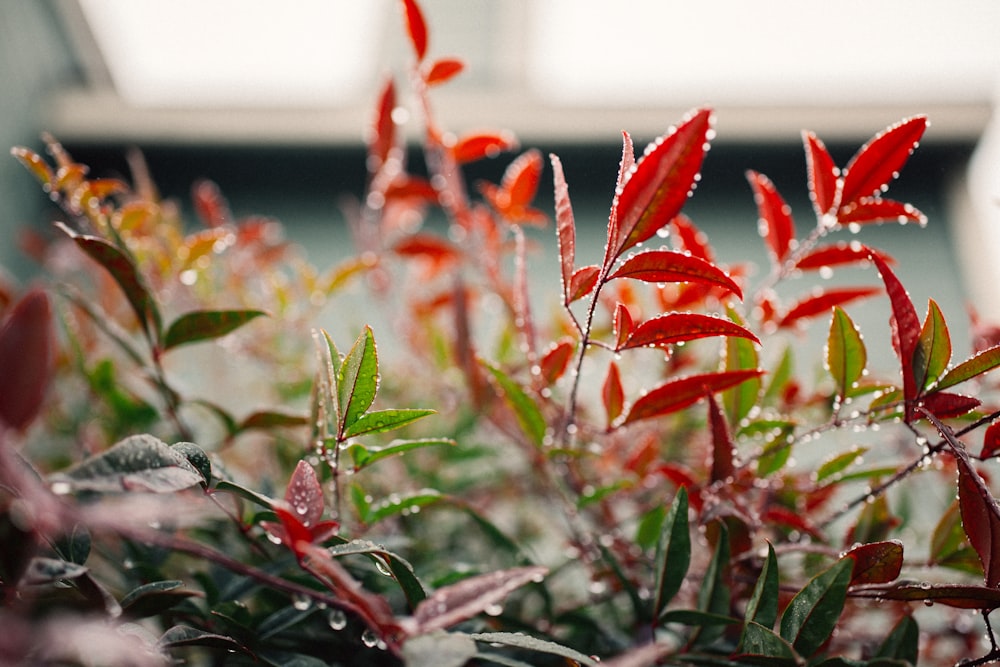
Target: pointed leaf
612,394
526,411
669,266
210,204
879,161
565,228
906,327
839,462
762,646
382,132
357,380
305,495
946,405
442,70
416,28
673,553
137,463
951,595
37,165
202,325
902,643
972,367
692,239
868,210
402,504
555,361
458,602
521,178
838,254
429,246
876,563
123,270
478,146
740,354
628,159
27,358
656,188
774,217
154,598
846,356
365,456
723,448
762,608
182,635
677,394
714,595
381,421
622,324
528,643
583,282
820,302
812,614
268,419
823,174
672,328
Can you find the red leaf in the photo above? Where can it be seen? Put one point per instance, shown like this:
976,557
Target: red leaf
905,328
775,216
879,161
677,327
429,246
656,188
991,441
583,282
478,146
839,254
209,204
382,137
823,301
304,495
554,362
520,183
623,324
612,394
36,164
292,532
565,228
416,28
786,517
876,563
677,394
27,357
823,174
693,240
628,159
410,188
945,405
668,266
868,210
723,449
443,70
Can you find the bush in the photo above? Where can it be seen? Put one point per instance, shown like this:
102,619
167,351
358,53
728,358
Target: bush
613,483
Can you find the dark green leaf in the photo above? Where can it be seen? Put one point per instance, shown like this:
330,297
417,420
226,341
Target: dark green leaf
400,568
268,419
42,570
357,380
903,643
183,635
154,598
762,646
525,409
673,553
197,457
202,325
137,463
933,351
516,640
762,607
812,614
846,356
714,595
695,618
74,545
381,421
282,619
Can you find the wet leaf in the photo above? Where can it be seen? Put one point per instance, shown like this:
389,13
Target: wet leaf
868,210
555,361
357,380
673,553
36,164
878,162
950,595
522,641
381,421
364,456
672,328
622,325
822,302
583,282
475,147
991,441
812,614
876,563
839,463
137,463
416,28
933,349
669,266
838,254
304,495
268,419
200,325
197,457
846,356
443,70
761,644
520,181
526,411
612,394
740,354
945,405
154,598
469,597
382,137
182,635
397,504
680,393
762,608
656,188
565,229
822,172
27,358
774,217
400,568
976,365
692,240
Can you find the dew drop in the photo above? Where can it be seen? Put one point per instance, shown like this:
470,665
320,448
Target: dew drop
493,610
301,602
61,488
369,638
382,567
337,619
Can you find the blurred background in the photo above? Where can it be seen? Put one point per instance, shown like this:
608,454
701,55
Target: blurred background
271,101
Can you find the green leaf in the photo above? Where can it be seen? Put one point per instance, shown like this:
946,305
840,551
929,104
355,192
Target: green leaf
154,598
364,455
400,568
846,356
981,363
903,643
695,618
202,325
714,595
647,535
400,504
381,421
74,546
137,463
762,607
933,351
812,614
183,635
741,354
839,463
517,640
777,449
760,642
357,380
124,271
673,553
528,415
266,420
227,486
780,376
197,457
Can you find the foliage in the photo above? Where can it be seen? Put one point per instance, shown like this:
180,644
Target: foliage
616,484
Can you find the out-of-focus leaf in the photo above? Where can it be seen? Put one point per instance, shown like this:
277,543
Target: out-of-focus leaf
951,595
723,448
123,269
227,486
692,240
209,203
202,325
740,355
902,642
428,246
463,600
846,356
879,161
137,463
680,393
812,614
838,463
197,457
520,181
357,380
522,641
933,350
991,441
364,456
822,301
555,361
876,563
442,70
612,394
74,545
976,365
439,649
268,419
622,324
875,521
565,228
762,608
382,137
402,504
154,598
672,328
27,358
42,570
823,174
868,210
36,164
478,146
182,635
381,421
669,266
656,188
673,553
839,254
416,28
945,405
527,412
774,217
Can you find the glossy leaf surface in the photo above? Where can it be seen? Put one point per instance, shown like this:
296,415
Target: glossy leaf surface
822,174
679,393
668,266
679,327
380,421
201,325
878,162
565,227
846,357
357,380
137,463
906,327
868,210
838,254
774,216
974,366
762,607
876,563
463,600
812,614
822,301
673,553
526,411
364,455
